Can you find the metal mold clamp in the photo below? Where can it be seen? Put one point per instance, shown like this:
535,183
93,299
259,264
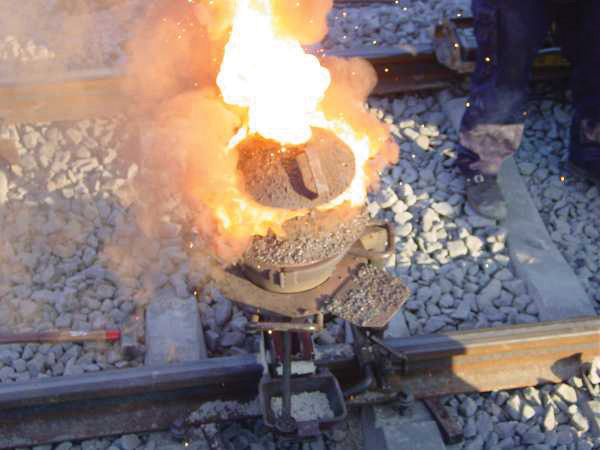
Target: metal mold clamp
291,302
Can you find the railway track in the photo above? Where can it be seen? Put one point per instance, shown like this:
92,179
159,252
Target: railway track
155,398
99,92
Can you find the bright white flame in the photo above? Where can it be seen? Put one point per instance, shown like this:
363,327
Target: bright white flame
279,84
282,88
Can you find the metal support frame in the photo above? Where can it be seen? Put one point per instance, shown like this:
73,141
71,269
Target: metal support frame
153,398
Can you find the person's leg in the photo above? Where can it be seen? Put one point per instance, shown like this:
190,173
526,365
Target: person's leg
579,28
509,33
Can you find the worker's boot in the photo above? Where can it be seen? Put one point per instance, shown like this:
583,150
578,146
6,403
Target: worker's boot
485,197
483,192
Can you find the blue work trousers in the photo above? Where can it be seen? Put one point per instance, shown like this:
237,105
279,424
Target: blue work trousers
509,34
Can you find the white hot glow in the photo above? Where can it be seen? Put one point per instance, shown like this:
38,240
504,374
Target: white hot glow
273,77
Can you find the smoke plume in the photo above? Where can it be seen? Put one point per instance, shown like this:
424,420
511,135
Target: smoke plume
303,20
175,58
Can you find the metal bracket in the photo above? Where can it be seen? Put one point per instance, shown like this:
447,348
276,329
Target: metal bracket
451,431
375,256
450,50
377,361
456,48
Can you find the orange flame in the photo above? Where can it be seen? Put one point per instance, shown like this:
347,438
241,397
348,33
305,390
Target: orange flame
270,86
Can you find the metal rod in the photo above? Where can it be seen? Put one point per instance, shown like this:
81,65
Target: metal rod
451,430
362,385
287,326
287,375
239,370
60,336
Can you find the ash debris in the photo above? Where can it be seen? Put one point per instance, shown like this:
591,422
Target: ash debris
310,238
306,406
373,292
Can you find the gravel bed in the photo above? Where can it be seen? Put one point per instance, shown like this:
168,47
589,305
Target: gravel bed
569,206
61,212
66,34
454,261
306,406
224,324
458,285
545,417
535,418
255,435
403,25
243,435
74,34
90,235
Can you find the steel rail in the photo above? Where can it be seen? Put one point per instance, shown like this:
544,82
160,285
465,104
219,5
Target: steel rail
88,93
489,359
403,68
63,96
85,94
119,401
152,398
